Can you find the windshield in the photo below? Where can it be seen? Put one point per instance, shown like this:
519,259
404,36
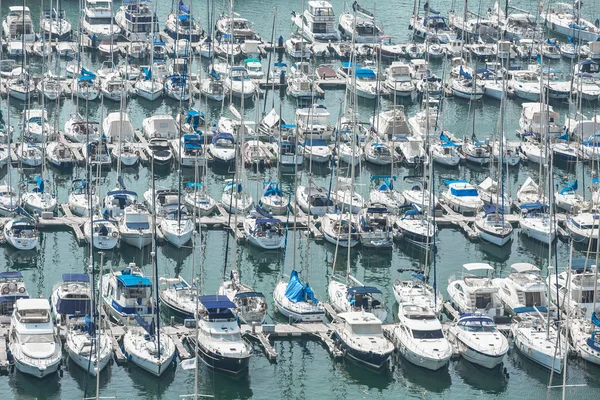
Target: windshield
227,337
437,334
478,325
30,339
367,329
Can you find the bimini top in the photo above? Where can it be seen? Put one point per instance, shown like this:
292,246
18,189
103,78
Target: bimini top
75,277
11,275
134,281
478,267
363,290
524,267
245,295
213,302
33,304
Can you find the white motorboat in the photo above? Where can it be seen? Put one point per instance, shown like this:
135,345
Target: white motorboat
297,47
135,226
113,87
462,197
190,150
575,289
523,291
137,21
159,150
297,301
317,23
220,342
17,26
391,125
421,197
416,292
413,152
475,293
344,298
238,83
222,149
179,296
359,26
149,351
235,199
361,339
316,150
98,20
399,80
525,84
539,119
375,226
102,233
33,339
117,126
492,227
479,341
251,306
21,233
583,227
126,294
364,83
79,130
313,123
420,338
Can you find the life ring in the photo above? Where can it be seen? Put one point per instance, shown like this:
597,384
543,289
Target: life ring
115,234
137,153
188,189
5,289
22,289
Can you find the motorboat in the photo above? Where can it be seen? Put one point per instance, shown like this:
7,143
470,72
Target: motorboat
421,197
12,288
313,123
297,301
412,151
583,227
98,20
241,28
361,339
297,47
190,150
235,199
238,83
117,126
575,289
540,120
159,150
359,26
33,340
475,293
340,229
524,291
83,200
135,226
251,306
21,233
137,21
178,296
399,80
492,227
317,23
301,87
345,298
113,87
126,294
219,342
462,197
391,125
479,341
71,297
254,68
103,234
17,26
364,83
417,292
375,226
316,150
420,337
525,84
222,149
314,200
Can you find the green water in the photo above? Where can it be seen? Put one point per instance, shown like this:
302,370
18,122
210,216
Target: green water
303,369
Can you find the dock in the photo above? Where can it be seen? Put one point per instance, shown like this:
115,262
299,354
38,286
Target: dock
460,221
116,333
75,225
4,364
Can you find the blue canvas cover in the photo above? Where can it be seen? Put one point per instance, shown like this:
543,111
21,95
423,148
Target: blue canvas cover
129,280
298,292
213,302
469,192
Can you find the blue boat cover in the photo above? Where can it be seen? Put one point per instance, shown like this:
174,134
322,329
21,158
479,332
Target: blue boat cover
469,192
223,136
492,208
520,310
595,319
183,8
365,73
122,192
419,276
347,64
272,190
40,183
75,277
129,280
571,187
298,292
464,73
11,275
194,185
212,302
315,142
248,294
362,290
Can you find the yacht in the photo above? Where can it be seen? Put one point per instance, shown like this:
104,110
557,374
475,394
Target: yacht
240,27
539,119
317,23
375,226
575,289
345,298
135,226
475,293
525,84
126,294
33,340
361,339
524,291
18,26
117,126
359,26
12,288
417,292
478,340
297,301
420,338
251,306
137,20
462,197
98,20
220,343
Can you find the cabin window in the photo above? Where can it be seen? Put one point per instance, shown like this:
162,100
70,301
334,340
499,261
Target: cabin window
367,329
482,300
319,28
587,296
98,21
533,299
436,334
30,339
227,337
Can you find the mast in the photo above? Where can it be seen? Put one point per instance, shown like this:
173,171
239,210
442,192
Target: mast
154,254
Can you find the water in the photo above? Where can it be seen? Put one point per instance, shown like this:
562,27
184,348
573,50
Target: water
303,369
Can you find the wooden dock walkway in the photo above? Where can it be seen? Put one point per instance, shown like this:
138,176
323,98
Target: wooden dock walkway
460,221
75,225
116,333
4,364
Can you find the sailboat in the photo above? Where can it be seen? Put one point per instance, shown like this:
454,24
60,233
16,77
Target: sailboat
251,306
38,200
297,301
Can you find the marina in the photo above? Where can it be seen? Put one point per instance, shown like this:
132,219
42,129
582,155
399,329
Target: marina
299,199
